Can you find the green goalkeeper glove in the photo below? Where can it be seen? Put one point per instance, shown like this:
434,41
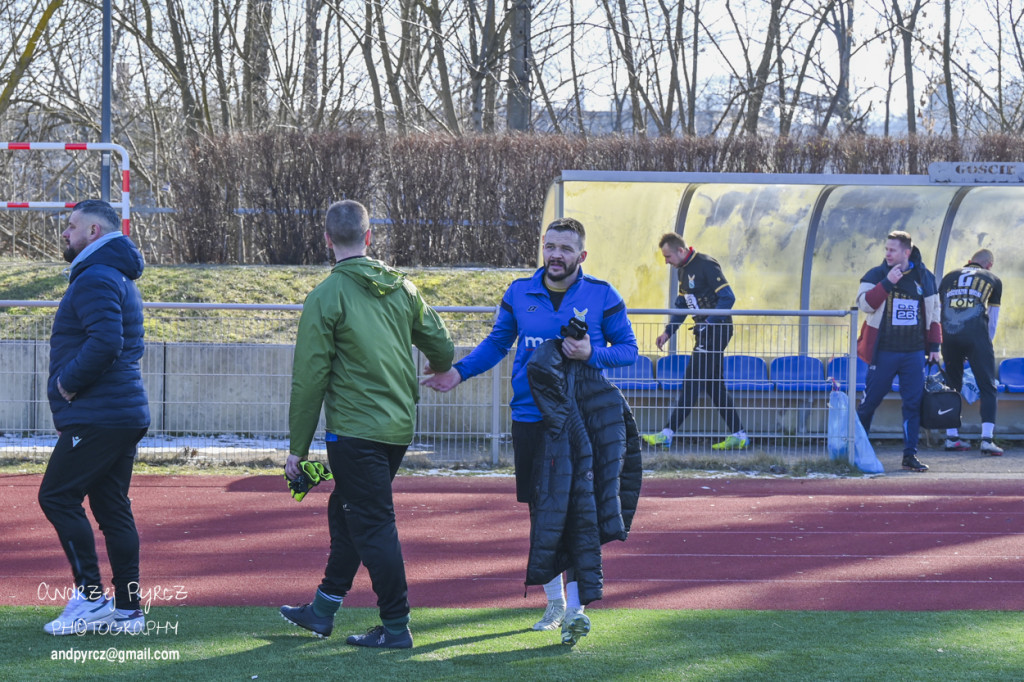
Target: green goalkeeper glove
312,474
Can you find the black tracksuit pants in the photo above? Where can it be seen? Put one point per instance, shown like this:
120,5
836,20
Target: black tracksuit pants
95,462
361,519
976,348
704,374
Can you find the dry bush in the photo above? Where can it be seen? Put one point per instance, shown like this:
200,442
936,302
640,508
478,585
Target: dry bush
440,200
261,197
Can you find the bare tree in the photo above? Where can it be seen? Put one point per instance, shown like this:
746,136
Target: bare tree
486,37
450,118
790,41
947,70
256,64
223,96
189,105
839,18
577,87
28,52
905,25
618,20
691,85
311,63
520,59
759,79
392,66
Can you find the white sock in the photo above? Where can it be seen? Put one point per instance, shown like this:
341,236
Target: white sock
667,432
553,589
952,433
987,428
741,434
572,596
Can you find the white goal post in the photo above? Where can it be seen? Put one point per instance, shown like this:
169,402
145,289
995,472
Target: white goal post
124,203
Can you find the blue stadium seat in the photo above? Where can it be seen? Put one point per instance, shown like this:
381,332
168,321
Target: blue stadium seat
636,377
1000,387
670,371
799,373
837,368
1011,374
746,373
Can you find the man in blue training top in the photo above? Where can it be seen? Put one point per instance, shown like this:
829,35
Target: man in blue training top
701,285
533,310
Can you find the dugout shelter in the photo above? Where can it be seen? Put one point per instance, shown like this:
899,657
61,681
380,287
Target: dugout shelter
798,241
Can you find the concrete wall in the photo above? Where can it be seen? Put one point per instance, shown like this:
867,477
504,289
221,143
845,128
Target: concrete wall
210,388
22,366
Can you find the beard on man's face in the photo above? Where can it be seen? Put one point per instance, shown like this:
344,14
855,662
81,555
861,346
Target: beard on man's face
69,253
567,271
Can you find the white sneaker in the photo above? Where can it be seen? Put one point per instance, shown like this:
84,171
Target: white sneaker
989,448
81,616
575,626
552,617
128,622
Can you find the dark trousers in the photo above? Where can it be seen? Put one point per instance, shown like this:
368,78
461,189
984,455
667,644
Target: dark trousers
910,368
978,350
361,518
528,451
95,462
704,375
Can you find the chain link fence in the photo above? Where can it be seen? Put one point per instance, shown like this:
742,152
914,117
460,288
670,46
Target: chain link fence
219,376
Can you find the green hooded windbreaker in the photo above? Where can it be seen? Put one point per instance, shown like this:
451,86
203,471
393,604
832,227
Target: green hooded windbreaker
353,355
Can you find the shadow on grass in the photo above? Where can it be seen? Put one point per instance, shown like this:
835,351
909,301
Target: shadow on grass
491,644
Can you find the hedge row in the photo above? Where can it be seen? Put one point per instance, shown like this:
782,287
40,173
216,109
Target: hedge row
468,200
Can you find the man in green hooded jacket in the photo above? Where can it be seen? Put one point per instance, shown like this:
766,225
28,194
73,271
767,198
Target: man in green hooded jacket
353,356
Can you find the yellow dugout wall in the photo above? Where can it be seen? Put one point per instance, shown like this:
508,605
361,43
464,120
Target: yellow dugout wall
791,242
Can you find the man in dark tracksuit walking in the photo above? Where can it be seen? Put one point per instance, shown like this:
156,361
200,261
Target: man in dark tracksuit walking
701,285
101,412
970,312
902,327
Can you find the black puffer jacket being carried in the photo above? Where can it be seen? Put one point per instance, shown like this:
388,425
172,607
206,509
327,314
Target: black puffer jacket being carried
587,484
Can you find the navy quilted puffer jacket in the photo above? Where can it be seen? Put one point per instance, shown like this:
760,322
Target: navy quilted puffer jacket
97,342
587,484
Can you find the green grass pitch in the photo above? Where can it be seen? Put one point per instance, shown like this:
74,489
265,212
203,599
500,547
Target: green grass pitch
245,643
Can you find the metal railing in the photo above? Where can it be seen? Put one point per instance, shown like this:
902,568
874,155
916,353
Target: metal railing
219,376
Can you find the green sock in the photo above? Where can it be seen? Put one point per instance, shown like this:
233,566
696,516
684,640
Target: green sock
325,604
396,626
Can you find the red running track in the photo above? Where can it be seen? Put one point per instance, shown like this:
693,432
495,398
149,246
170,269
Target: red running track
902,543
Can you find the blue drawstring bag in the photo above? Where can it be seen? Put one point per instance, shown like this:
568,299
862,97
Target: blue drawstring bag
969,390
864,457
838,405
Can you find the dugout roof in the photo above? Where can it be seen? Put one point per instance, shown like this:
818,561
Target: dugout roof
795,242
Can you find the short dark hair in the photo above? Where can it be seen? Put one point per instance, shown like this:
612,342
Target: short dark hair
347,223
902,237
107,217
569,225
984,258
673,240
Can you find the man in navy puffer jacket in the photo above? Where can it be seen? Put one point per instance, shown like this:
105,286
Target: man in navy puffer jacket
101,412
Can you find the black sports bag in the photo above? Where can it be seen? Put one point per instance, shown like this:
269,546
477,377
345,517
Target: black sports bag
940,404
